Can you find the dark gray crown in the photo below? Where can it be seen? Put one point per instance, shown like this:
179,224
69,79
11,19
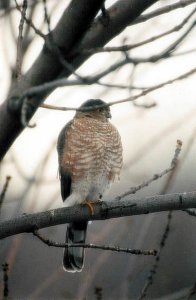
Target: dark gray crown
92,103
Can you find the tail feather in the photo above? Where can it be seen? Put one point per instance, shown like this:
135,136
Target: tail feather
73,259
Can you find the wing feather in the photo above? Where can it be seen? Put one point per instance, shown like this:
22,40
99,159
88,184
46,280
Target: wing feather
65,177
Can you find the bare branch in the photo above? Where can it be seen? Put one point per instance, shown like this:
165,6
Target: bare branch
5,281
154,268
192,292
50,43
62,82
158,86
36,90
103,210
190,212
4,190
50,243
149,40
20,38
153,271
162,10
166,53
28,21
184,52
46,16
133,190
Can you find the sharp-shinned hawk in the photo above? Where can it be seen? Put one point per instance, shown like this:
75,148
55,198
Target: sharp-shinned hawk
90,159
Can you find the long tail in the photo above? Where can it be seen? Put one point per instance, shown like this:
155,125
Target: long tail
73,258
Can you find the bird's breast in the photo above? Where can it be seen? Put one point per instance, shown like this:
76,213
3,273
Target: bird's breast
93,150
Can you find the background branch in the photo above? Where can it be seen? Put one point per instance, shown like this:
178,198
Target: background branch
51,243
63,82
4,190
163,10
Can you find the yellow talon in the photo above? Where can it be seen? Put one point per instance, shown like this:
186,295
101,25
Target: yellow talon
90,206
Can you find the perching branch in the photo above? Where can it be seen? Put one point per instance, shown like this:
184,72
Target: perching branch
102,211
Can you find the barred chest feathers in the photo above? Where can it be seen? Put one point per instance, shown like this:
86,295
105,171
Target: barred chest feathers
93,154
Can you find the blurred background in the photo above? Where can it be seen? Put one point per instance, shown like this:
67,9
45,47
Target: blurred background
149,128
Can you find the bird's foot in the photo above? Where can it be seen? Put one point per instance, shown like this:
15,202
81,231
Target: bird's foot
90,205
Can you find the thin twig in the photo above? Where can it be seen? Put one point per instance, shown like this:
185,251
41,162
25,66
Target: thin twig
153,271
162,10
149,40
63,82
4,190
133,190
154,268
98,292
145,105
5,281
50,243
156,87
20,38
120,86
50,45
166,53
13,7
190,212
189,145
29,22
185,52
46,16
192,292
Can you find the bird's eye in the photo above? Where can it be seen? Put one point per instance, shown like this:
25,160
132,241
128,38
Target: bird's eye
100,109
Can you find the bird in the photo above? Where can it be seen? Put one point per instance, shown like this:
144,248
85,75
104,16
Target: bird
90,159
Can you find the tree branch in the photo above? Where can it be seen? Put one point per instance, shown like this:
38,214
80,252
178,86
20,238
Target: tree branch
62,82
166,53
163,10
172,166
153,270
4,190
5,267
20,39
144,42
102,211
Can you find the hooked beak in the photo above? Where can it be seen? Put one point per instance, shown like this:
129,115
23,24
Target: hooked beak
108,115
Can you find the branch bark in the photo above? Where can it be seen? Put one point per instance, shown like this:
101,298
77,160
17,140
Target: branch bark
74,22
102,211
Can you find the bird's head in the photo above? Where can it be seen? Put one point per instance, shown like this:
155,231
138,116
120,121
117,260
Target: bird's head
94,108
